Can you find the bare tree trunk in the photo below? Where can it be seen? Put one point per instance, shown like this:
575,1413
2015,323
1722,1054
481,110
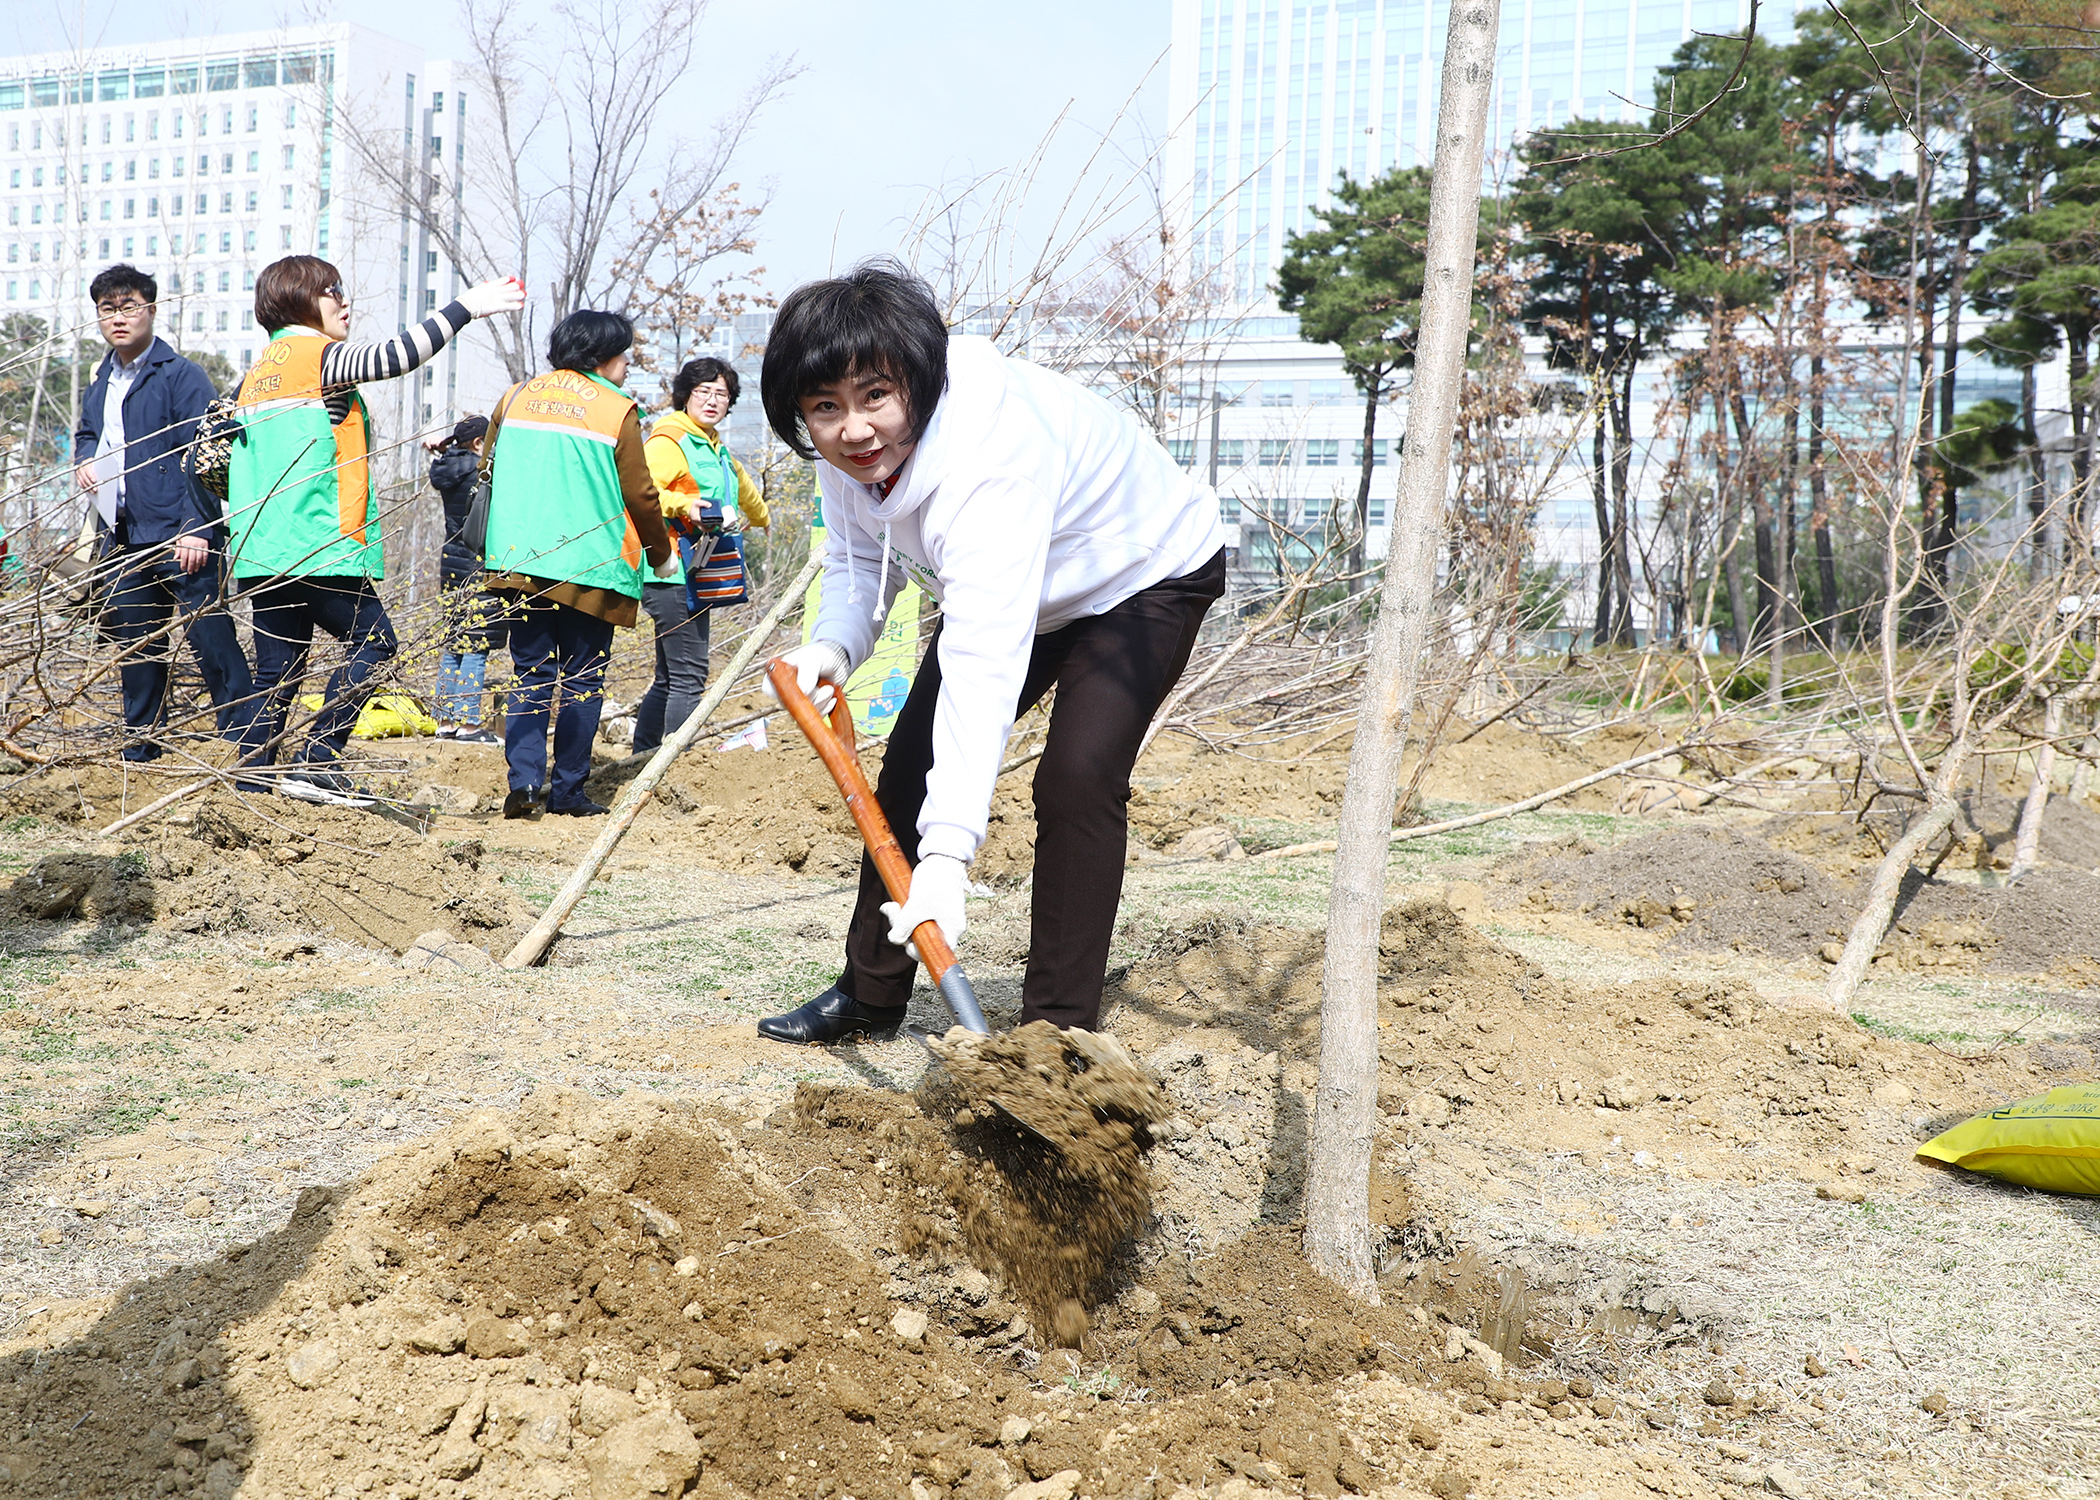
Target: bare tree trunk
2028,840
1732,565
2079,362
1600,632
1622,503
1938,788
1785,519
1728,511
2082,775
1828,628
1755,469
1338,1187
2040,516
1880,905
1942,530
1360,549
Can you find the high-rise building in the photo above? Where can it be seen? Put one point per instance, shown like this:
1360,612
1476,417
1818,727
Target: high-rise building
1273,102
1270,103
203,160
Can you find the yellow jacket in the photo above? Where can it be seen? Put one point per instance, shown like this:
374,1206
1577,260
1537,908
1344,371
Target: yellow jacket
674,479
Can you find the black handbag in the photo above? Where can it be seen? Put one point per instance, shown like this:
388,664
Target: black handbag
474,529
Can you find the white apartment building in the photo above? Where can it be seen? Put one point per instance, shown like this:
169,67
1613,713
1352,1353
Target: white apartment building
202,160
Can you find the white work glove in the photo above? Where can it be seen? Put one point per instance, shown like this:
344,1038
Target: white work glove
937,888
673,570
733,523
505,294
818,667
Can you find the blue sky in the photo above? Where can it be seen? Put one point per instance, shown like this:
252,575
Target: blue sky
895,98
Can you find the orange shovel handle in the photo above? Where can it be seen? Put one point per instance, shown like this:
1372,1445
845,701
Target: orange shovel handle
834,744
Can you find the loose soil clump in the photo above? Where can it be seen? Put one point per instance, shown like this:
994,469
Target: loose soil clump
1051,1179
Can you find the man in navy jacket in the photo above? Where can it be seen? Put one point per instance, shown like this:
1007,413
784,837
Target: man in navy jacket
164,533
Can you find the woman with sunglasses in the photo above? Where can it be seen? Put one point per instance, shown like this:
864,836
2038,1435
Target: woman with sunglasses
303,518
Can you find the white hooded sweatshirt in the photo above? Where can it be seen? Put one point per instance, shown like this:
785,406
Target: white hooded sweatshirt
1029,503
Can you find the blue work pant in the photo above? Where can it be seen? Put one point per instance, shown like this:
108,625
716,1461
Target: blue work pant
287,613
553,645
149,594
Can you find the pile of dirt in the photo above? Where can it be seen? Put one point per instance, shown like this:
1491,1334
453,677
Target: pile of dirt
618,1299
2046,922
227,864
569,1300
1848,844
2070,833
1705,887
1178,789
779,809
1475,1038
1505,762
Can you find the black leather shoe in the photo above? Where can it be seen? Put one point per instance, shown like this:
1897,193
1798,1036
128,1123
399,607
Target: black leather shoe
584,809
523,802
834,1017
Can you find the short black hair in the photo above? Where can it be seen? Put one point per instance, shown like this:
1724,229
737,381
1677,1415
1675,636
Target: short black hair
587,338
695,373
123,278
876,317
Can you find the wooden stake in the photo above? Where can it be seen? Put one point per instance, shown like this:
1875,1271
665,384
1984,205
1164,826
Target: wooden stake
533,946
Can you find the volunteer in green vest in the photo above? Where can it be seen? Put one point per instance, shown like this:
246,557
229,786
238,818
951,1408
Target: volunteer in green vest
573,521
303,522
708,503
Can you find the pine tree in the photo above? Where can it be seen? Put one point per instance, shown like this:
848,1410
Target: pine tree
1356,283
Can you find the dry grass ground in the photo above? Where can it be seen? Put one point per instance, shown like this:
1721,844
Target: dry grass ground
171,1086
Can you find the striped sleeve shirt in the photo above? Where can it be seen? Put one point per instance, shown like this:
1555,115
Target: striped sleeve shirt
345,365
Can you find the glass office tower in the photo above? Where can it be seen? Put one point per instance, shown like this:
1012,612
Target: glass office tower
1271,100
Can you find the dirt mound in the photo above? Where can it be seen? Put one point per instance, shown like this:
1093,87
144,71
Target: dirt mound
1177,789
1505,762
1475,1037
1705,887
2047,921
779,809
620,1299
225,864
2070,833
570,1300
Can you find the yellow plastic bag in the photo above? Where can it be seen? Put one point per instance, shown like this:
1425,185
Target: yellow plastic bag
2051,1142
384,716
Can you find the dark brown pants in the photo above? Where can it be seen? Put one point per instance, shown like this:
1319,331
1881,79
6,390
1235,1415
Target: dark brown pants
1112,671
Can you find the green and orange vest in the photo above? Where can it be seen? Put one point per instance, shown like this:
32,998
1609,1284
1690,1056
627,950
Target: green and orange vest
299,496
556,510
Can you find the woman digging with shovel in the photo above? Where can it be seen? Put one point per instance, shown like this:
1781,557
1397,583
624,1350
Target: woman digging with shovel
1066,549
